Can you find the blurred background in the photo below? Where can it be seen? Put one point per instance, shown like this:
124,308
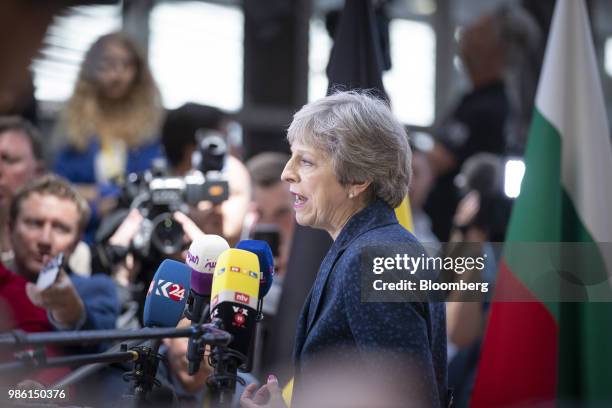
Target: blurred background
260,61
461,75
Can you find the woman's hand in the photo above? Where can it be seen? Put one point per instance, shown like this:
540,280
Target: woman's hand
268,396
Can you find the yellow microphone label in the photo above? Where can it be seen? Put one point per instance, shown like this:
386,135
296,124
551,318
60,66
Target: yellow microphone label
236,278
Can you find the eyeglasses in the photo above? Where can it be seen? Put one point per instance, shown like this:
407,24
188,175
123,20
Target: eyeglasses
118,64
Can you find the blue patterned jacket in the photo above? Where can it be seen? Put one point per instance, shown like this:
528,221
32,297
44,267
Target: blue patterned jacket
335,322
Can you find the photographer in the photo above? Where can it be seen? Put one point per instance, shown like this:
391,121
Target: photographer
183,132
201,188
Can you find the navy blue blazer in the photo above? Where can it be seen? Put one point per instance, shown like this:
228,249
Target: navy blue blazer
334,320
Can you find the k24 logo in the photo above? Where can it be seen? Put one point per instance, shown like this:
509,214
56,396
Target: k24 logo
170,290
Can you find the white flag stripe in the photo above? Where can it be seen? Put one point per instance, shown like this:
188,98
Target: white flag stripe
571,98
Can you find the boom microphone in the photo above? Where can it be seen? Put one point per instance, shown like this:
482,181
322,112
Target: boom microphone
202,259
266,262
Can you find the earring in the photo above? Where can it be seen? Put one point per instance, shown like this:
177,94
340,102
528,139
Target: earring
351,195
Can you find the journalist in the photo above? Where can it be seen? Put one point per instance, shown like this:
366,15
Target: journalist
47,217
350,166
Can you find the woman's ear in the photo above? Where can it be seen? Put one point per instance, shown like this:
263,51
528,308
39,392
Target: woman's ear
357,188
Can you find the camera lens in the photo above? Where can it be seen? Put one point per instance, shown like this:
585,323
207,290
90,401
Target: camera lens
167,235
212,149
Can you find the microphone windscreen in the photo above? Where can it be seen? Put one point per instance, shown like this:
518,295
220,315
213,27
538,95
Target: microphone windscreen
202,259
167,295
266,261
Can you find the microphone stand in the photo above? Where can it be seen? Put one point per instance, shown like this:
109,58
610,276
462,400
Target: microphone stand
37,359
195,349
84,372
18,339
143,374
146,357
222,382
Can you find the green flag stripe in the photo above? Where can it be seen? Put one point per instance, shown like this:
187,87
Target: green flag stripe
544,212
585,355
537,211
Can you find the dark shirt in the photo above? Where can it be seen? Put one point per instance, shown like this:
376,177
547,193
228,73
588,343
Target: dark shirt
476,125
334,320
99,297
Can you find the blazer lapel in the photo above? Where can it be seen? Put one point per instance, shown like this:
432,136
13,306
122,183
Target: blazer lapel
301,328
376,215
319,285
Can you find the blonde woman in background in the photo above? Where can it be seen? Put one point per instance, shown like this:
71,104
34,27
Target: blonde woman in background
110,123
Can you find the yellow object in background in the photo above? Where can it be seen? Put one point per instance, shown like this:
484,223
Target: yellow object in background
288,392
404,214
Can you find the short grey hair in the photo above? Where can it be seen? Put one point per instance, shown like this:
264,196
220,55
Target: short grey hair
363,139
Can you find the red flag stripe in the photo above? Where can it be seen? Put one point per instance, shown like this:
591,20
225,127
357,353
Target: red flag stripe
519,354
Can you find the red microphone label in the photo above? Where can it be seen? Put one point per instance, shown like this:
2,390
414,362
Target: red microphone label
239,320
240,316
242,298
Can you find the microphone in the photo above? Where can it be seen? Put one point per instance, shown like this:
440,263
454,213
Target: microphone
201,259
234,298
166,298
266,262
164,306
266,266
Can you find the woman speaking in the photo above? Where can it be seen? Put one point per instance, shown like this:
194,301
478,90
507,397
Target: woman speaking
350,166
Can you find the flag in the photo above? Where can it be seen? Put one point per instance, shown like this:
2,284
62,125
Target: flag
541,351
356,60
